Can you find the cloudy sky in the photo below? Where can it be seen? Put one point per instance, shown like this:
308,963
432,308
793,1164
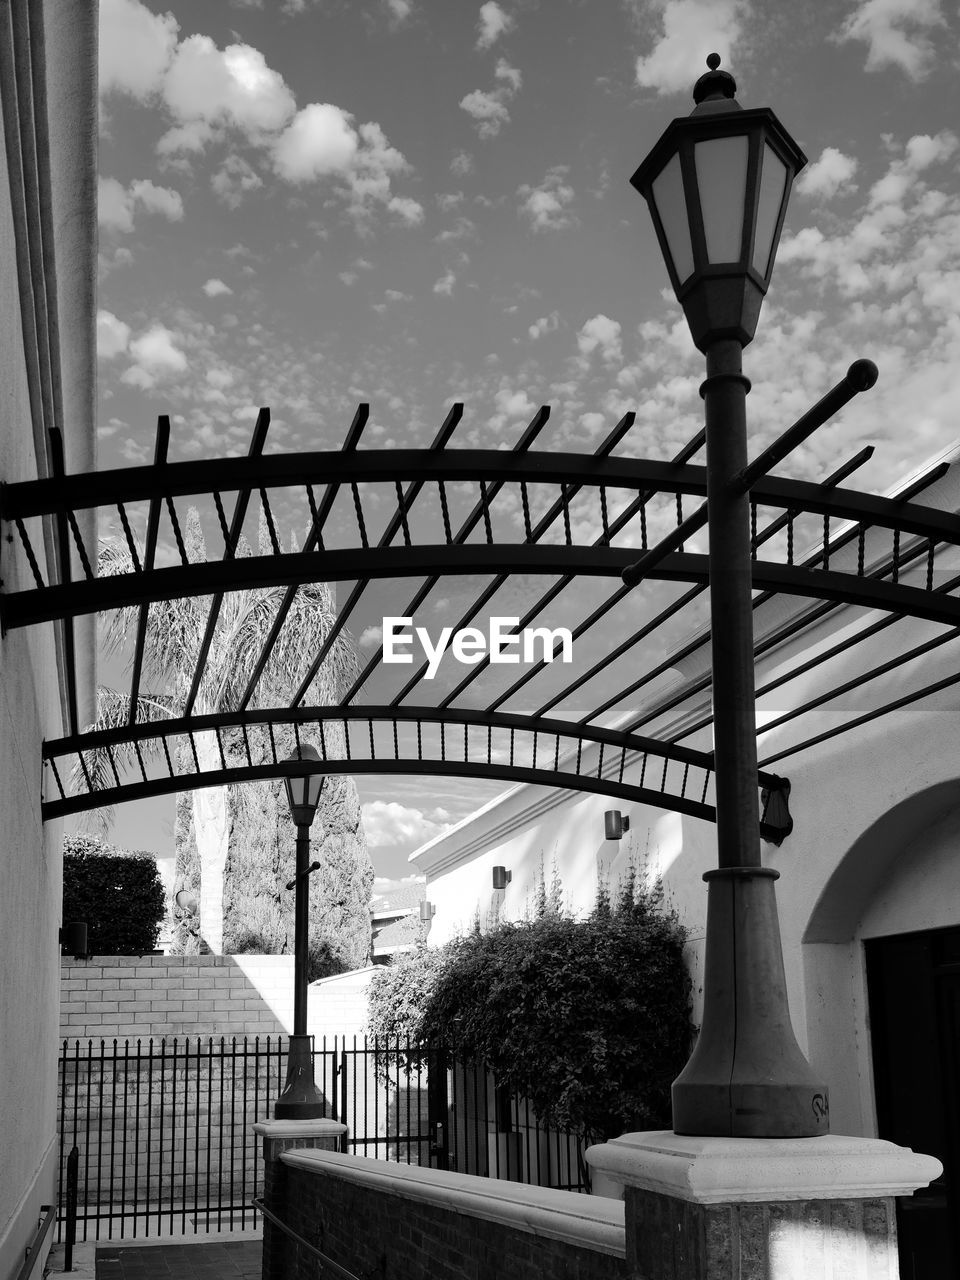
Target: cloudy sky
314,203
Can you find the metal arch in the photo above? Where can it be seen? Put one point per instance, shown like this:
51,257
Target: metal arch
847,569
553,747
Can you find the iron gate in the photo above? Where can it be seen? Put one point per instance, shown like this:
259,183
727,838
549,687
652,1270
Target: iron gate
163,1130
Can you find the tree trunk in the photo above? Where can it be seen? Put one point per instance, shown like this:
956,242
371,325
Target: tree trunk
212,827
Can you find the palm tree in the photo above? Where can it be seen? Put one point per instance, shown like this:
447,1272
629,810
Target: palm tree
235,844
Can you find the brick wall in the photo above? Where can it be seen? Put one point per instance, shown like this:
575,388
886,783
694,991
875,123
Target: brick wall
376,1233
131,997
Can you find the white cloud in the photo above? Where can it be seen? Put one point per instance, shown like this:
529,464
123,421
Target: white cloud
601,335
388,884
185,138
511,405
155,355
216,289
592,423
461,164
492,24
117,203
901,218
387,823
319,140
135,49
407,210
462,229
511,75
445,284
691,30
112,335
114,205
546,324
154,199
400,10
488,111
896,33
233,86
547,206
831,173
370,637
235,179
211,91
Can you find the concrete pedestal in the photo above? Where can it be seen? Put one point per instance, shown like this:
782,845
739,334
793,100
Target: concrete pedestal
702,1208
280,1136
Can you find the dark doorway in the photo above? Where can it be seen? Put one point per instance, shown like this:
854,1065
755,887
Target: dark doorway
913,983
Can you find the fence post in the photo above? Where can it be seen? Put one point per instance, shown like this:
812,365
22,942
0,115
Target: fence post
280,1136
73,1175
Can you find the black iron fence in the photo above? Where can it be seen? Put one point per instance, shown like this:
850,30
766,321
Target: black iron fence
163,1130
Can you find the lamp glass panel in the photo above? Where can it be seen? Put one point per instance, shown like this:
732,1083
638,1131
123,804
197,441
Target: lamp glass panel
721,165
773,182
314,782
667,191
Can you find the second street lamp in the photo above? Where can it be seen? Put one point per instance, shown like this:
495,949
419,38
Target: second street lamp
300,1099
717,183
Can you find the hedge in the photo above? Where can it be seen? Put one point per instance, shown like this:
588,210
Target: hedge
117,892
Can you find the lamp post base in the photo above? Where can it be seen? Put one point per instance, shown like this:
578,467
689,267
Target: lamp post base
747,1076
300,1099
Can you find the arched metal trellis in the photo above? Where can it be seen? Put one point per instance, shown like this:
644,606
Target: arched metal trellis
500,519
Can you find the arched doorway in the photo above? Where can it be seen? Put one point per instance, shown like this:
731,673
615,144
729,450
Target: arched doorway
885,939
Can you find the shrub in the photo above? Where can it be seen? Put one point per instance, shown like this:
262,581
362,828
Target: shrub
117,892
589,1019
399,993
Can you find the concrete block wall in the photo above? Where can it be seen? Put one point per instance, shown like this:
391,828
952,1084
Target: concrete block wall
139,997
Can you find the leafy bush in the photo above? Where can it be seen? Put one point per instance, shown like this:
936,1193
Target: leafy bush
589,1019
399,993
117,892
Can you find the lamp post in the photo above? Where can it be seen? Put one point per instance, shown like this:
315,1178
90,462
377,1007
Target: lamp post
300,1099
717,184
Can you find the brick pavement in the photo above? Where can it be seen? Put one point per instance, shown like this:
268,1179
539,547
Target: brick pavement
227,1260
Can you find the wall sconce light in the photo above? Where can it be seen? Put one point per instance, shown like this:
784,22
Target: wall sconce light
73,939
615,824
501,877
427,911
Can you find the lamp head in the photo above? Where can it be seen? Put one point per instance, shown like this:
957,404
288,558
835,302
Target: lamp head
717,183
303,788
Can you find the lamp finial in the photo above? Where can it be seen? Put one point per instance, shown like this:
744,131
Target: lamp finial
714,85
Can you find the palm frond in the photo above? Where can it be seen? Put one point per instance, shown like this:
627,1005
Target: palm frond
101,765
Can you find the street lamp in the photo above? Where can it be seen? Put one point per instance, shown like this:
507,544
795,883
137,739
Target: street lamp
300,1099
717,184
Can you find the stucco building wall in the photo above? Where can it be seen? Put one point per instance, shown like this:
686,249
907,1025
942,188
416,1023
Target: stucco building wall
47,220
